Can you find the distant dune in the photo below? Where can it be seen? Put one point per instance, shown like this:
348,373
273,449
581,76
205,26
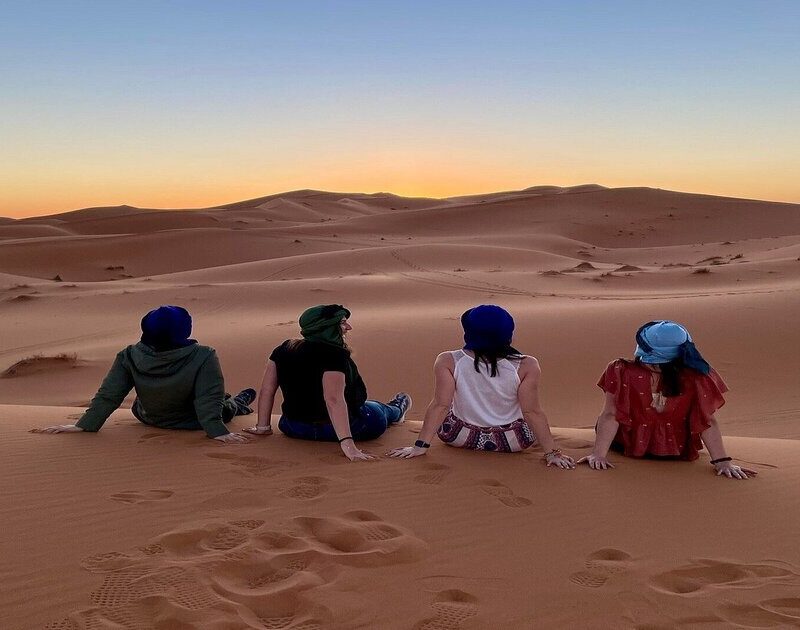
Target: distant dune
150,529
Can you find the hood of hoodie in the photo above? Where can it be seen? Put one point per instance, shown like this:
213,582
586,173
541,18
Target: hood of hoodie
148,361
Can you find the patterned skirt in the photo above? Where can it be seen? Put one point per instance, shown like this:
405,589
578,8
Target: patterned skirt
508,438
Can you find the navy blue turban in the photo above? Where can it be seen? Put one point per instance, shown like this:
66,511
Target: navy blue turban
167,328
487,327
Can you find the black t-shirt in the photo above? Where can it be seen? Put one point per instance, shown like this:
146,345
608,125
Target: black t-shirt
300,367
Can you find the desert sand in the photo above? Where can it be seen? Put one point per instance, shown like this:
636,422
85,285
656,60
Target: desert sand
139,528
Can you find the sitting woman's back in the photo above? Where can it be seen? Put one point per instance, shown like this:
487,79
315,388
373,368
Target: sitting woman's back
482,399
486,395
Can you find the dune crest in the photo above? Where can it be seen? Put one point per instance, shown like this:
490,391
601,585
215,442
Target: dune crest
149,528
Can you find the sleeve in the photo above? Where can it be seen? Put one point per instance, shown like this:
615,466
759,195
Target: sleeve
709,392
613,382
209,393
276,353
115,386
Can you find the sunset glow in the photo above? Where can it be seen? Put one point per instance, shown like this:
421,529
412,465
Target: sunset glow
192,104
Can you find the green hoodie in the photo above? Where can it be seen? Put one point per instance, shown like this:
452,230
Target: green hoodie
177,389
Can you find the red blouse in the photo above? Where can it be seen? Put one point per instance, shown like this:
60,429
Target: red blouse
676,430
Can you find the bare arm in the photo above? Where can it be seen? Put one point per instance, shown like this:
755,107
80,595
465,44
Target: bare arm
607,427
266,400
443,390
606,430
333,384
528,394
712,438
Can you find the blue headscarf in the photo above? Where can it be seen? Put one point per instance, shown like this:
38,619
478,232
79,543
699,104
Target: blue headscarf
487,327
167,328
663,341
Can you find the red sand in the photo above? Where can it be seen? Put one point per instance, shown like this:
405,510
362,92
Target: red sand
137,528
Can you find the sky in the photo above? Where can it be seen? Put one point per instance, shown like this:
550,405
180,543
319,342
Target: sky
193,103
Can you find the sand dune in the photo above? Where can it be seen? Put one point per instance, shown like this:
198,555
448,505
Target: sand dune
137,528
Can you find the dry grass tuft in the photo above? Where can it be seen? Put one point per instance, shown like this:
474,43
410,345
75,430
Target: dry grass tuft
40,363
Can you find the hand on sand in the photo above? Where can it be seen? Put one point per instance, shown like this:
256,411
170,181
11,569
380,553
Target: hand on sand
59,428
407,452
732,471
232,438
596,462
560,460
259,430
355,454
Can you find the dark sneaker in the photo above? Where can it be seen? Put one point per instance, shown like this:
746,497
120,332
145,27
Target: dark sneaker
403,402
243,401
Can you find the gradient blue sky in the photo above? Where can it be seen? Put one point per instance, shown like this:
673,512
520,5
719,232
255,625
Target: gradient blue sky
193,103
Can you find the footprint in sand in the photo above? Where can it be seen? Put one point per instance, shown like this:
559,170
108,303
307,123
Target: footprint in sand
152,550
240,571
203,540
765,614
141,496
281,574
451,609
600,565
434,474
253,523
103,562
608,560
589,579
703,574
307,488
359,538
258,578
504,494
253,465
180,586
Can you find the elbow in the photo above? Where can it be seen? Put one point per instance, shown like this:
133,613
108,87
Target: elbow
438,407
607,419
333,400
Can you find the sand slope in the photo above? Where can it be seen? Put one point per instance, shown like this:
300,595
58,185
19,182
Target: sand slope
136,528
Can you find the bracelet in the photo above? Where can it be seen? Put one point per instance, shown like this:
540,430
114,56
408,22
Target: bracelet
720,460
349,437
555,451
421,444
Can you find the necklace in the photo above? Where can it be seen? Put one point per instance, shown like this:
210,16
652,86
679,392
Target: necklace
659,402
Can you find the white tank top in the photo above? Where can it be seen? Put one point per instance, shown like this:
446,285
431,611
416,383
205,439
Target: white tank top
484,400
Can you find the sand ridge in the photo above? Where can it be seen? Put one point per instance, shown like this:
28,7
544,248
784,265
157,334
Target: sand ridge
156,529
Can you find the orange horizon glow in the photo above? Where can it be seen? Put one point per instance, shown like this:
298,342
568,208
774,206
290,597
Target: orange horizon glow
193,105
183,198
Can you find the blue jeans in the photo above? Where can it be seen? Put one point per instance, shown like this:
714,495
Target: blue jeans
372,419
229,410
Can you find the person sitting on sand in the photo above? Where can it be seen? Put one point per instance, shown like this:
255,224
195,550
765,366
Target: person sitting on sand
486,395
178,383
662,403
324,397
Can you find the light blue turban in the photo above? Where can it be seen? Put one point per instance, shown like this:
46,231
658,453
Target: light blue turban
664,341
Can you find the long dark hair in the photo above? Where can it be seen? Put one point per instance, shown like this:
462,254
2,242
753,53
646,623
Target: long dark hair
491,357
670,376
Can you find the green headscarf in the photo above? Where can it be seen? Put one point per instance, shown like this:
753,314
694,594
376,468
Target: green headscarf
323,323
